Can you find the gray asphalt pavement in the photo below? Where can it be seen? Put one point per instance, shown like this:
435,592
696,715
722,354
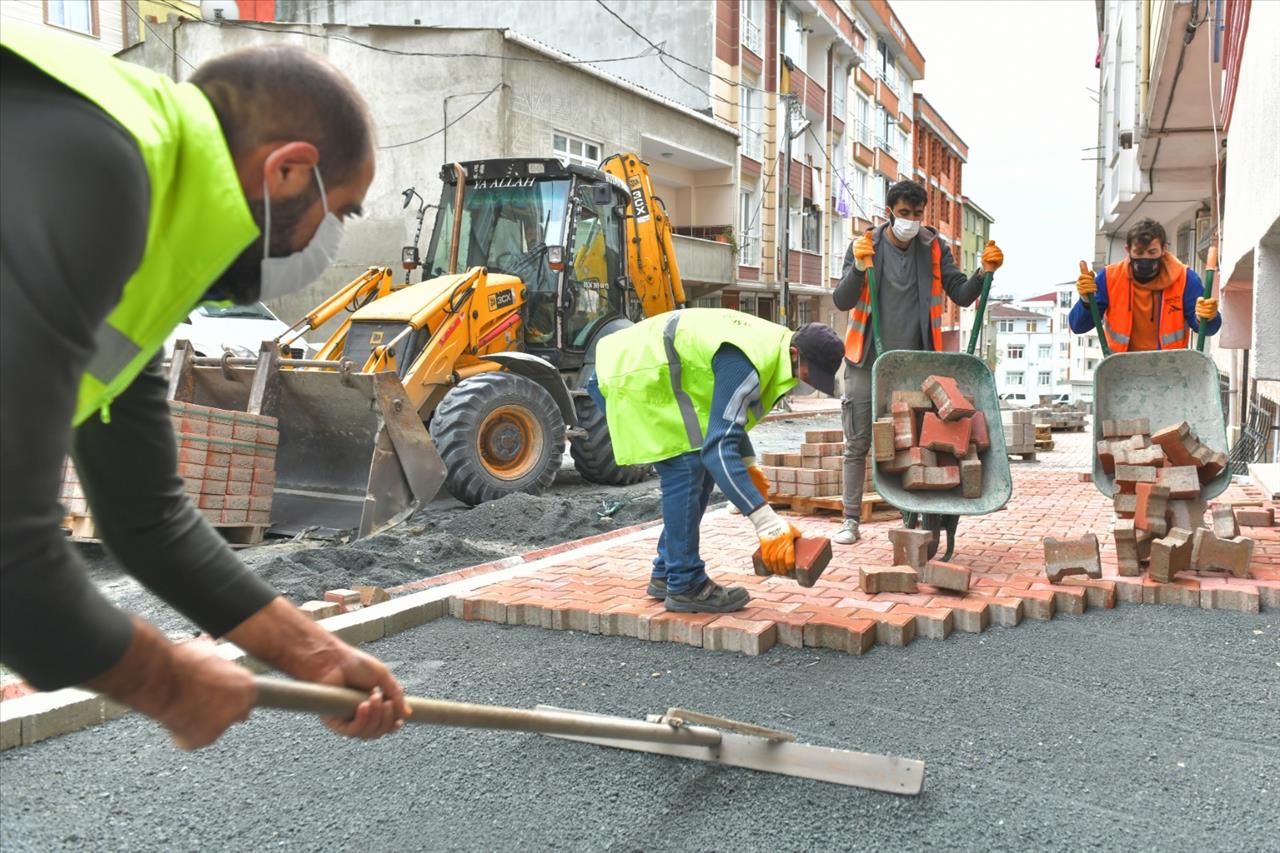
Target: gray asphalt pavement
1138,728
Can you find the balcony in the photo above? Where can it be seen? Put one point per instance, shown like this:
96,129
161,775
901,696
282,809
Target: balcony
704,264
887,98
805,268
886,162
752,142
801,179
752,36
865,81
812,95
864,154
904,121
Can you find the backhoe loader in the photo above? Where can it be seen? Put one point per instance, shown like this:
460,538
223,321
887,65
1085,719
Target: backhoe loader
474,376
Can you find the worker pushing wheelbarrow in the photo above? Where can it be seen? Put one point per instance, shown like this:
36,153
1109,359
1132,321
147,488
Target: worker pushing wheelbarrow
895,283
1146,308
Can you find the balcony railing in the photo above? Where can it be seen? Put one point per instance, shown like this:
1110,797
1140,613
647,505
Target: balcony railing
752,37
864,133
752,142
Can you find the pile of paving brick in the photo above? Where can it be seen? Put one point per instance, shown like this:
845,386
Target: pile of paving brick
227,461
933,439
1159,510
1019,432
1061,417
817,470
338,601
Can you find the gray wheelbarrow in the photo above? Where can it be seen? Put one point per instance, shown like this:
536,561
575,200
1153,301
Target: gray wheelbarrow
906,370
1166,387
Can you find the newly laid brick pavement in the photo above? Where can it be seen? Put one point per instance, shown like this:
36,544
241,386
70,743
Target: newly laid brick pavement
603,592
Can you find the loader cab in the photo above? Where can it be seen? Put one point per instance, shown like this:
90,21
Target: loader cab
560,228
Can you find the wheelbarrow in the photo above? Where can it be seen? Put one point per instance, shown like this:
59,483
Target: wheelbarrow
1164,386
906,370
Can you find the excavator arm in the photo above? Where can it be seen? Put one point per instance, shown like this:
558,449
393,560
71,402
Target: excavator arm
651,256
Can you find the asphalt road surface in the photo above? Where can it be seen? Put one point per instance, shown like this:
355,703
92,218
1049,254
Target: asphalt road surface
1138,728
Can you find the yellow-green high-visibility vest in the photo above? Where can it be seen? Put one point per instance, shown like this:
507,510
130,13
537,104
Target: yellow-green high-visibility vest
657,382
198,222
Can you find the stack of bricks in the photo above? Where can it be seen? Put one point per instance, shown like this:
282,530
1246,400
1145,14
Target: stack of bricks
816,471
1019,430
1158,504
933,438
72,494
228,460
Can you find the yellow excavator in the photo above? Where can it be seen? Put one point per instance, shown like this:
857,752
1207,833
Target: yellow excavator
473,377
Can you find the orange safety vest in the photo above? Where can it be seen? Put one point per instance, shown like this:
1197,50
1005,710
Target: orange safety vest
860,316
1171,325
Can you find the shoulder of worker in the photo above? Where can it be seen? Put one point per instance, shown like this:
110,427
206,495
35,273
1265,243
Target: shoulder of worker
1194,282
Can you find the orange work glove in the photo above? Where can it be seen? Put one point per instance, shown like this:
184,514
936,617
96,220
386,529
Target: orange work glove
777,540
863,252
992,257
1206,309
757,475
1086,284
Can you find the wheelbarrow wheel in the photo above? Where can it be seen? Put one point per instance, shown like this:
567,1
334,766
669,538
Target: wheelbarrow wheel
935,524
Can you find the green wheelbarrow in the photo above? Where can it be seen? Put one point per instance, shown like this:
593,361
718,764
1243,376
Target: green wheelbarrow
1166,387
906,370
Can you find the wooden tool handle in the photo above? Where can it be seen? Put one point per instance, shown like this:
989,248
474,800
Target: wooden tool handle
308,697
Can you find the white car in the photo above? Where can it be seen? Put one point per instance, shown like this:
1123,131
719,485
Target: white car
1013,400
237,329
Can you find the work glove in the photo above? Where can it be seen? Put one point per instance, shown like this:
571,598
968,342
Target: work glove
1206,309
992,257
863,252
757,475
1086,284
777,540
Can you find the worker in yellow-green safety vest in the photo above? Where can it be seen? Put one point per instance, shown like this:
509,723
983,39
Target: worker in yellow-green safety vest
129,199
681,390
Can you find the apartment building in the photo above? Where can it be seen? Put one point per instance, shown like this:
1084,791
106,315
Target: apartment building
940,155
100,23
975,232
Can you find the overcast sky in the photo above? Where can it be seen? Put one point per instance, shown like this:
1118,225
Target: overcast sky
1012,77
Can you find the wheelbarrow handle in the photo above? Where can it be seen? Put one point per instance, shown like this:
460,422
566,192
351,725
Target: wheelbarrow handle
875,316
1097,325
1211,268
982,310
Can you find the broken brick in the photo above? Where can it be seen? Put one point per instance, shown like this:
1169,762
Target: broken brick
910,547
372,595
1179,443
945,394
1152,505
1229,555
1071,557
1181,480
1256,516
904,459
1224,522
883,439
945,576
1170,555
979,433
919,478
876,579
946,436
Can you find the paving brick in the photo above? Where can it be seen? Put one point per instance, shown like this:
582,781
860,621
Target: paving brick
1256,516
971,475
946,436
372,595
882,439
775,460
917,400
969,614
893,628
1178,442
347,599
904,459
731,634
812,556
1149,515
945,575
1036,603
918,478
1125,505
1170,555
1124,428
823,436
979,433
1068,600
932,623
793,460
1128,477
1224,522
1064,557
1211,463
842,633
910,547
320,609
1106,455
945,394
1184,592
1100,594
810,451
1241,597
1005,611
904,426
1152,456
1187,514
1231,555
877,579
1182,481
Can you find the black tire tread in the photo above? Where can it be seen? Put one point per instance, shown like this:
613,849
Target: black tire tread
593,454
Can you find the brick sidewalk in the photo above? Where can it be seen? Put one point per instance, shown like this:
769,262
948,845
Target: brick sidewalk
603,593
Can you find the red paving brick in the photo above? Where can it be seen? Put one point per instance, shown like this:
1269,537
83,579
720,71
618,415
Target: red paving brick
604,592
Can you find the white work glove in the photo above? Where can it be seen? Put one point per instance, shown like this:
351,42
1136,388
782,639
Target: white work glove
777,540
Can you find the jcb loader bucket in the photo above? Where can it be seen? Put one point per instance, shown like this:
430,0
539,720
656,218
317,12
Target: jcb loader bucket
353,453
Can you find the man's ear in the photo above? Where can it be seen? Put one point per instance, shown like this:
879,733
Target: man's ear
795,353
288,168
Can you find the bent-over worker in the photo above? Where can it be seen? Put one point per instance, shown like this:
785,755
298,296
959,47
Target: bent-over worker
128,199
1149,300
914,274
681,390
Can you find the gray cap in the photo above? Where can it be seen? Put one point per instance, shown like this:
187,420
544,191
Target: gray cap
822,352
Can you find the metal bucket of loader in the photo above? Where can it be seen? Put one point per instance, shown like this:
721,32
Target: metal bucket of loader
1166,387
906,370
353,453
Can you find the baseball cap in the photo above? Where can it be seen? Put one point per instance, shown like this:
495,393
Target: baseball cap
822,351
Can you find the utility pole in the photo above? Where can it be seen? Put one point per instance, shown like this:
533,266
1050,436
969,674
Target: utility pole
787,101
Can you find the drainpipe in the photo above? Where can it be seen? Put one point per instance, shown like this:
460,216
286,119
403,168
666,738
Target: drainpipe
1146,60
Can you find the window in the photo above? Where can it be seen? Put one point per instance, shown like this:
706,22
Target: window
1063,347
78,15
1031,325
811,235
1013,377
903,151
881,190
571,149
597,269
1015,352
793,38
862,201
1005,326
839,90
1065,298
1044,377
804,311
748,229
751,120
1046,350
839,242
715,300
752,16
864,121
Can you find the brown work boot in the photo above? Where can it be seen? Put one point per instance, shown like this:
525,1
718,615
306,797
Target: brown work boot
708,598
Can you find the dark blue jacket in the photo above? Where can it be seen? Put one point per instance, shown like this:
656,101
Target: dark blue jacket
1081,319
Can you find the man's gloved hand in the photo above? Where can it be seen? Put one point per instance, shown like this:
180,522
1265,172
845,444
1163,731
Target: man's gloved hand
1206,309
864,253
1086,284
992,257
777,540
757,475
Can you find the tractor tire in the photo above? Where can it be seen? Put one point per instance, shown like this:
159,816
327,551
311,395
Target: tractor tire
593,454
498,433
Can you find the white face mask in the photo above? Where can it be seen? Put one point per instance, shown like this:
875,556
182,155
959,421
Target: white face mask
293,272
905,229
